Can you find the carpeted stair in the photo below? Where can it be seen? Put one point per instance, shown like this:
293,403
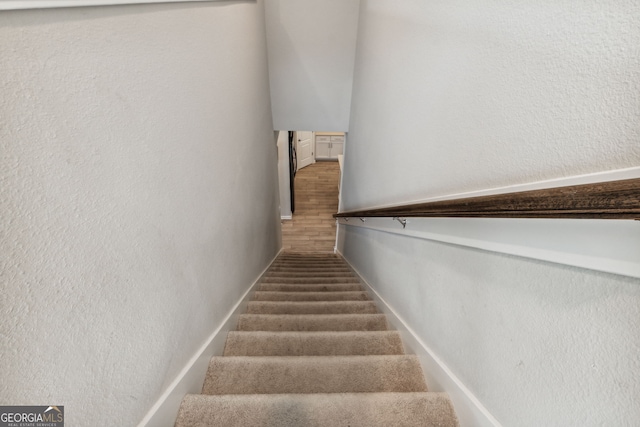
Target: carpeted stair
313,350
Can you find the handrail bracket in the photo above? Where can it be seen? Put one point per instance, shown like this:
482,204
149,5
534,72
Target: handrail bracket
401,220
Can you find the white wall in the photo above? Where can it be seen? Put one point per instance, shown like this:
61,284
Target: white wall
456,96
538,344
311,53
466,95
139,196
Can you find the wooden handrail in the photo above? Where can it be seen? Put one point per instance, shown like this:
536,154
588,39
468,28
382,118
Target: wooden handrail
604,200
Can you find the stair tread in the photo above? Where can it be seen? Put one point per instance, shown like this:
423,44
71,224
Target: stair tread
276,271
312,322
331,287
313,374
309,274
310,296
322,343
302,268
309,254
311,280
421,409
308,263
309,260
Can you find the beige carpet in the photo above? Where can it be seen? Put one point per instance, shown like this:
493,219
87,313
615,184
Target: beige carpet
313,350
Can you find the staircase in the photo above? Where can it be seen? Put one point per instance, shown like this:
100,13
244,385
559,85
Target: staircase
313,350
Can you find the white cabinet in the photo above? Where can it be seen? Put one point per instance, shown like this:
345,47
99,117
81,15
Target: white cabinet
323,147
329,147
337,146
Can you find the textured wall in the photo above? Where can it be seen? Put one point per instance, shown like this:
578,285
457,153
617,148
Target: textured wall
138,191
467,95
311,53
538,344
454,96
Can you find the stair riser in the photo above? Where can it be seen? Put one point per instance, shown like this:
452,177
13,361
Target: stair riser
304,262
298,267
313,343
309,257
311,281
306,307
294,262
284,287
310,296
309,266
338,322
295,265
330,257
307,274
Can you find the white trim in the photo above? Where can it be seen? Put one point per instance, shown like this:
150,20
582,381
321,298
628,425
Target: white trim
469,409
592,178
164,412
42,4
602,245
286,217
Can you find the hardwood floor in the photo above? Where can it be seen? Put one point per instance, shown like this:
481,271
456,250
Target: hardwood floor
313,228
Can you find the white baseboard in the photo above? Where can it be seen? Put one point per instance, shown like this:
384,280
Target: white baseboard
286,217
470,411
164,412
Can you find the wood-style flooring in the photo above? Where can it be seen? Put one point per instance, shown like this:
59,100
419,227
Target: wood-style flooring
313,228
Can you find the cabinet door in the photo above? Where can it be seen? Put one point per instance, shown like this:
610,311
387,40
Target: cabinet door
323,147
323,150
337,146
